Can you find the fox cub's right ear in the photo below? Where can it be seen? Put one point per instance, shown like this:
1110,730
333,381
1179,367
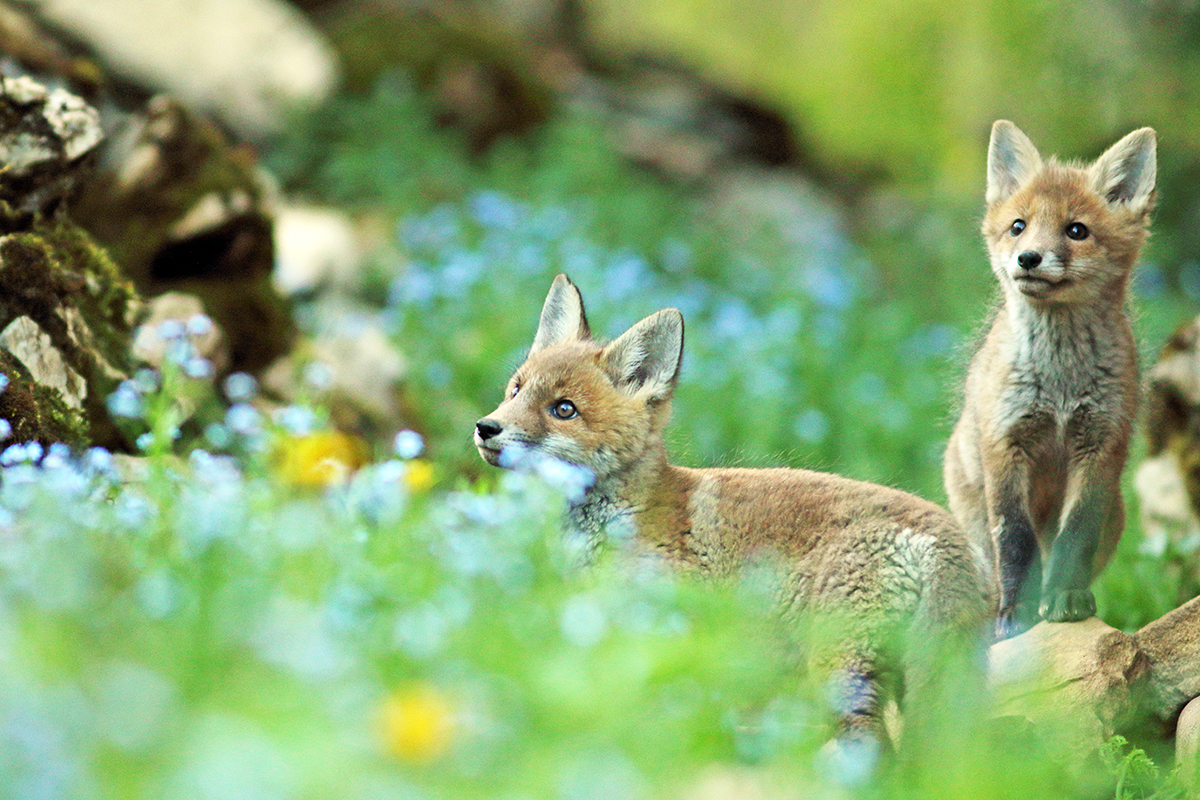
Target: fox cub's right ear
1012,160
644,360
1127,170
562,318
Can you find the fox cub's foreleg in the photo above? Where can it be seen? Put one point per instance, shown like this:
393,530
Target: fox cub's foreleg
1014,540
1093,517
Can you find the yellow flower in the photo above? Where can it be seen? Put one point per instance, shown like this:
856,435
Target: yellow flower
420,476
320,459
418,723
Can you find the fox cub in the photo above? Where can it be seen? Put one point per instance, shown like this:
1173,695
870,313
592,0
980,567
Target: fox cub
1033,466
898,568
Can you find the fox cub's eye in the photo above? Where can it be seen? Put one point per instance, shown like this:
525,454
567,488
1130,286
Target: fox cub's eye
1077,231
564,409
1017,227
516,388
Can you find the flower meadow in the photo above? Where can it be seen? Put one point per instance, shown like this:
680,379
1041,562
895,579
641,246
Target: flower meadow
260,606
203,633
279,619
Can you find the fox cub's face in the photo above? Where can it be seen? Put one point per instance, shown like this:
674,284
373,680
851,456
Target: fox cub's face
1064,233
595,406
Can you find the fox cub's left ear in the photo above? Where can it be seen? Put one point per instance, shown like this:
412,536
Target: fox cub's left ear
1126,172
645,359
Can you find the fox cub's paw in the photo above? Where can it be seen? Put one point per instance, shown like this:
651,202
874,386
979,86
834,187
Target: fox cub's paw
1068,605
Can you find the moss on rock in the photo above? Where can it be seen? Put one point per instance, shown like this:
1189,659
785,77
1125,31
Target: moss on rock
54,274
38,413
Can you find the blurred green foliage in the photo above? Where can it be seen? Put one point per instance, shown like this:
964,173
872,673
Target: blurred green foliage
209,629
912,86
909,89
209,632
806,348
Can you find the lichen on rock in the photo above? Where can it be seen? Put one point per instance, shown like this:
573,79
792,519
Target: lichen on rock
44,138
36,412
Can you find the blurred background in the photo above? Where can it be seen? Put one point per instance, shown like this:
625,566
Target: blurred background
803,180
385,188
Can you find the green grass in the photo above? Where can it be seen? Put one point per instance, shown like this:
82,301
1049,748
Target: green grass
208,630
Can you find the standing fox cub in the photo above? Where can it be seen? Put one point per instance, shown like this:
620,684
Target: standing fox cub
1033,467
891,566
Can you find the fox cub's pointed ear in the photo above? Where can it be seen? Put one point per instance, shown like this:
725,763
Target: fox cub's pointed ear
1126,172
645,359
562,316
1012,160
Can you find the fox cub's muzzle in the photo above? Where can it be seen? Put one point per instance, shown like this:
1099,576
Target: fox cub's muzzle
487,428
1029,259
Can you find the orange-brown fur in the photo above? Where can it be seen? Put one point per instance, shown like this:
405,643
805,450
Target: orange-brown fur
1033,466
891,563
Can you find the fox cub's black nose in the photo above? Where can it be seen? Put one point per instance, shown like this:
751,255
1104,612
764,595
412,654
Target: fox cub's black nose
1029,259
487,428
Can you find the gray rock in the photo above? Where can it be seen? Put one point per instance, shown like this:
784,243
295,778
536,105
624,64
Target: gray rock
150,346
1168,481
25,340
1080,682
1072,680
362,370
44,138
1168,518
314,248
246,61
65,310
182,208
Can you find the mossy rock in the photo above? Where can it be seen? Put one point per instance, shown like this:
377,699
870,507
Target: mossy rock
249,314
38,413
54,274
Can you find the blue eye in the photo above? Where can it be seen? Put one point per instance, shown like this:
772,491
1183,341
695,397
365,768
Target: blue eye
516,388
564,409
1017,227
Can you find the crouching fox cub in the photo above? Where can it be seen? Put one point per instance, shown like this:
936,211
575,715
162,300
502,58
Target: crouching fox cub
1034,464
891,567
